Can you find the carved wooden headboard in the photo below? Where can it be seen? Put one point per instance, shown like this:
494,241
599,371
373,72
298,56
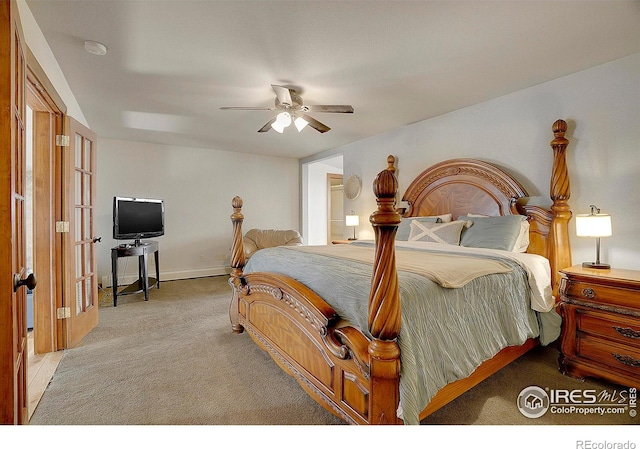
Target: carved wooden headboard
471,186
462,186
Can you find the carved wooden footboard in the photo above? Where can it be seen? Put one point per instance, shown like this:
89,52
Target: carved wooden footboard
298,329
352,376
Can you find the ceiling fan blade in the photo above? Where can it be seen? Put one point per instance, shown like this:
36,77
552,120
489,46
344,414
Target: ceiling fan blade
267,126
283,94
247,108
321,127
341,108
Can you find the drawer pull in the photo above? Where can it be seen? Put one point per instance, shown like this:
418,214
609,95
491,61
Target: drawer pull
588,293
627,360
627,332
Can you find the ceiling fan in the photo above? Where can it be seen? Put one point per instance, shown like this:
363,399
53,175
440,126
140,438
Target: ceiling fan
292,110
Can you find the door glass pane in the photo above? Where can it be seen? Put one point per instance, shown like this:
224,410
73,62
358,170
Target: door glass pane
78,151
87,258
87,155
79,308
78,261
78,225
86,218
86,199
19,220
88,293
78,187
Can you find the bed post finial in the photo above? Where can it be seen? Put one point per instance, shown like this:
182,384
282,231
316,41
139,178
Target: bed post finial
559,191
559,188
237,261
391,162
385,294
384,302
237,248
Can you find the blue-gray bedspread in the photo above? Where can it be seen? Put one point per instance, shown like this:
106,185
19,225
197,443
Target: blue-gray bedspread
445,332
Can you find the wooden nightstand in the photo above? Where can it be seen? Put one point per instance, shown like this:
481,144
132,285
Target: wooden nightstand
601,324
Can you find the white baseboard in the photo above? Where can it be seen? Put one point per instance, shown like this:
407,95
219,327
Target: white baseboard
170,275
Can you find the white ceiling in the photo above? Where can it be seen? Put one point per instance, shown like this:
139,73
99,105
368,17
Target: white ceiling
171,65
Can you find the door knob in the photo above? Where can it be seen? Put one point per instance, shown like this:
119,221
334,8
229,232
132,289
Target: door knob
30,281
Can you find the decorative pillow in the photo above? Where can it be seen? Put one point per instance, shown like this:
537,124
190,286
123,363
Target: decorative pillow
448,233
522,242
404,228
444,218
508,233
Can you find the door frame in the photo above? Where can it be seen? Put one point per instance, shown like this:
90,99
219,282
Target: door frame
48,118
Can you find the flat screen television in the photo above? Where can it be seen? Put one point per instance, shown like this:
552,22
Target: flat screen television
137,218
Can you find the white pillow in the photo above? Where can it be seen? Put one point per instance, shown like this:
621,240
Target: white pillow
448,233
522,242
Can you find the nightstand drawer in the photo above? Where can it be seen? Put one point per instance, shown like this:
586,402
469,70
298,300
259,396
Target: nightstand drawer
603,294
624,358
621,328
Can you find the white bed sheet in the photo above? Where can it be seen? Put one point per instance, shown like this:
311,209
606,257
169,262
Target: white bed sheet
537,268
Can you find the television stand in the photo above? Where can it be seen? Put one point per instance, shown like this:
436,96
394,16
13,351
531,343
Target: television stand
144,282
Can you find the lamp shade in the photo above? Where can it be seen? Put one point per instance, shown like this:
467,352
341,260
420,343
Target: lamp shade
300,123
278,127
352,220
282,121
593,225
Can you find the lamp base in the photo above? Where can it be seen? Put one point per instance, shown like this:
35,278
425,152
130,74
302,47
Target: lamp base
352,238
596,265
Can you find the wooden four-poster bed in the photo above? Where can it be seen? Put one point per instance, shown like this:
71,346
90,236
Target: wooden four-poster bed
353,365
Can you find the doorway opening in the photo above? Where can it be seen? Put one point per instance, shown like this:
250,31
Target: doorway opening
42,357
316,199
43,121
335,207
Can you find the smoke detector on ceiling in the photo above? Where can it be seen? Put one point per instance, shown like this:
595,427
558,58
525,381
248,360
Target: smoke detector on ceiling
95,48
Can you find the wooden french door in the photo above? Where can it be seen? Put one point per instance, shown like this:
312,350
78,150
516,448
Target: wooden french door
79,240
13,276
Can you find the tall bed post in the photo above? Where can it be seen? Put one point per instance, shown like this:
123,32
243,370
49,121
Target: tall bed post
384,313
559,190
237,262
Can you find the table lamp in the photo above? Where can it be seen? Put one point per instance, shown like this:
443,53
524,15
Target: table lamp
352,220
595,225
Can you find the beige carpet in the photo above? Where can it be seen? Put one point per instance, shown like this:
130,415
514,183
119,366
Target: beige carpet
174,360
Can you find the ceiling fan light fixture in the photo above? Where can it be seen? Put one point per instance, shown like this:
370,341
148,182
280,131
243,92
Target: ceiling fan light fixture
289,102
279,127
284,118
300,123
282,121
